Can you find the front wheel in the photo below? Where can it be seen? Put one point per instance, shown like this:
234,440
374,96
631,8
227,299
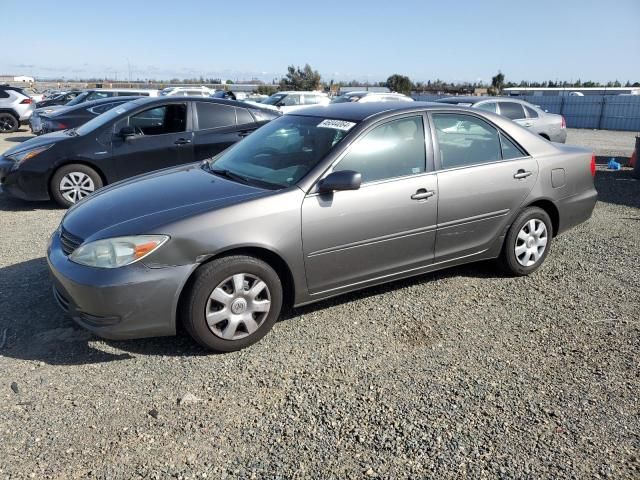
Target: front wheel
71,183
528,242
233,302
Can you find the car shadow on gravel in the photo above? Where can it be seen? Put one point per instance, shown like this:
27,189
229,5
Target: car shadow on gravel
19,139
618,187
34,328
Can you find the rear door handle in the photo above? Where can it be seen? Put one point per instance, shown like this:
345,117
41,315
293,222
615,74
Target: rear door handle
182,141
528,124
521,174
422,194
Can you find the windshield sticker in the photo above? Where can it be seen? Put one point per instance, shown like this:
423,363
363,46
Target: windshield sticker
337,124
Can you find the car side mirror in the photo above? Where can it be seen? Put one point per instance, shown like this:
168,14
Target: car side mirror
127,133
342,180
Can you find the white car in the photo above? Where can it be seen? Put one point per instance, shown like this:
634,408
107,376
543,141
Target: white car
366,97
290,101
188,91
16,106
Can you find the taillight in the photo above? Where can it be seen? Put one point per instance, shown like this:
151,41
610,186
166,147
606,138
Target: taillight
593,165
564,122
26,101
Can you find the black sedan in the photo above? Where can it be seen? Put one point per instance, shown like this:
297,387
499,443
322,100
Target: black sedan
136,137
61,98
75,115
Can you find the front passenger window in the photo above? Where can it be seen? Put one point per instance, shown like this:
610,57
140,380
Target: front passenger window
161,120
394,149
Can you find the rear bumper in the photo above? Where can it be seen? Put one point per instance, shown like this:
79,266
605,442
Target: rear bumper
121,303
576,209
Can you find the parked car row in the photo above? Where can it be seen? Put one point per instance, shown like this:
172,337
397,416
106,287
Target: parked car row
315,203
122,138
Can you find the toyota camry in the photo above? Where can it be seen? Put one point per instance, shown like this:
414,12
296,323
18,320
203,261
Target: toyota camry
312,205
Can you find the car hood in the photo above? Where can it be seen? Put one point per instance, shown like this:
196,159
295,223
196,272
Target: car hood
43,140
144,203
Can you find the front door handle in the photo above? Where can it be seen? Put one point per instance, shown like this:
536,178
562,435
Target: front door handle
244,133
422,194
528,124
182,141
521,174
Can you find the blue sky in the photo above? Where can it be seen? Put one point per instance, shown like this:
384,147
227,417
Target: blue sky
463,40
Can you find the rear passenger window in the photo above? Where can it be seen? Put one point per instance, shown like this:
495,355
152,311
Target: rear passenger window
511,110
509,149
214,115
243,116
4,94
488,106
465,140
394,149
531,113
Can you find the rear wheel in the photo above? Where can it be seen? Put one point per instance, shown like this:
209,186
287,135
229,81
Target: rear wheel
73,182
528,242
9,123
233,302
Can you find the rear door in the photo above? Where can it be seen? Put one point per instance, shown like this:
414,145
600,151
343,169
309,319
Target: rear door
163,139
483,178
514,111
218,126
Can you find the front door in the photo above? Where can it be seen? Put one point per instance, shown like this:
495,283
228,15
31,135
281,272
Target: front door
483,178
162,140
385,227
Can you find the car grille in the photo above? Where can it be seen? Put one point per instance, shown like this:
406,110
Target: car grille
69,242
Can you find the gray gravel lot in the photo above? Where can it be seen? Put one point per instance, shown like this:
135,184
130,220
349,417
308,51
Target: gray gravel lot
460,374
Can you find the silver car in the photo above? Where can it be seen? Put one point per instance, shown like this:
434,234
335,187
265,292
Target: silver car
309,206
548,125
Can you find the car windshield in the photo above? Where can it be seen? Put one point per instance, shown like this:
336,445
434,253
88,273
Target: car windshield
79,99
274,99
282,152
104,118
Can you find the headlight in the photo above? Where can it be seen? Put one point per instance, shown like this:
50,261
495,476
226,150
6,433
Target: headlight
117,252
24,155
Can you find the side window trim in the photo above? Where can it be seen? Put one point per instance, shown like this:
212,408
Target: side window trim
429,165
436,146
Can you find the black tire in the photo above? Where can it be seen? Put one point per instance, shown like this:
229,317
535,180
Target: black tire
197,302
73,168
9,123
508,259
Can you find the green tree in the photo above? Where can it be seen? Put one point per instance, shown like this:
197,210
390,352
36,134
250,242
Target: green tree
497,83
229,82
399,83
300,79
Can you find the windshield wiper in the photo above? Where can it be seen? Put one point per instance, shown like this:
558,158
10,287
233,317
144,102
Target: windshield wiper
222,172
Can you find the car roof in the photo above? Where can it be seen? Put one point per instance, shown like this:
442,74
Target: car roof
165,99
358,111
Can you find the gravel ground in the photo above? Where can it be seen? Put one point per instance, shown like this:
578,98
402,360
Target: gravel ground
460,374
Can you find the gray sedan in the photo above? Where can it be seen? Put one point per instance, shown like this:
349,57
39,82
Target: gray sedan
313,205
548,125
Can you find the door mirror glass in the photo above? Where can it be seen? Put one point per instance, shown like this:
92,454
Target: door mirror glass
342,180
127,132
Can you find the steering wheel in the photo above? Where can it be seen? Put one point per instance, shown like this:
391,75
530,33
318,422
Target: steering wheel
267,151
138,130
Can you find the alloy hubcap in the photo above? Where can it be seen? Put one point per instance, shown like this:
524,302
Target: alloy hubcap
7,123
531,242
74,186
238,306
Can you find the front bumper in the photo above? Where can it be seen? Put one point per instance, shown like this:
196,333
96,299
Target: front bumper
121,303
18,184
